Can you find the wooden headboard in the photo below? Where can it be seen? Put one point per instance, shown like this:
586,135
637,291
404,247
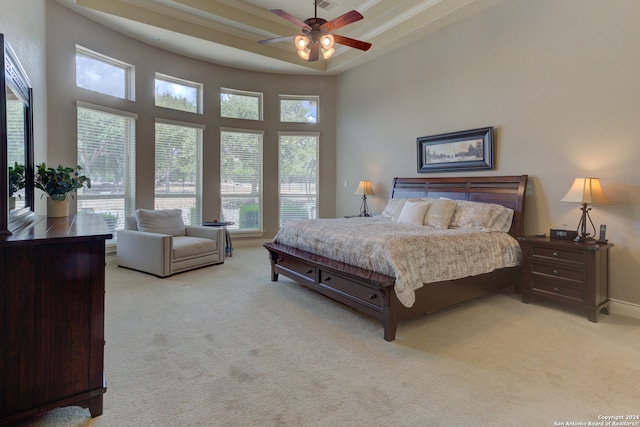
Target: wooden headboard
508,191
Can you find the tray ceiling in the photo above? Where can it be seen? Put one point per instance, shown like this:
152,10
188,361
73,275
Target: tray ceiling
226,31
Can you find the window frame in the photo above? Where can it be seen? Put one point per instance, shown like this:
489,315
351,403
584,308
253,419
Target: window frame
309,98
260,196
238,92
199,183
129,71
128,195
183,82
315,135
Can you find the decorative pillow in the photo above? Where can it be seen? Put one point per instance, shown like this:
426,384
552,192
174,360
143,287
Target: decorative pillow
440,213
167,221
401,202
413,212
393,205
482,216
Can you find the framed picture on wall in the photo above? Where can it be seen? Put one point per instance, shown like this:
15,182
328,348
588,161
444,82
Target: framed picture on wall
456,151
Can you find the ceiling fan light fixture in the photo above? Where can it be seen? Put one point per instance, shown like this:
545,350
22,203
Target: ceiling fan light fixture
302,42
327,41
326,53
304,53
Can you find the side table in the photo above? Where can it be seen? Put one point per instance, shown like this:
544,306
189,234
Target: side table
574,273
229,244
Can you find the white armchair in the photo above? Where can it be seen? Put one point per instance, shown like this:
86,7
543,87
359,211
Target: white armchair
158,242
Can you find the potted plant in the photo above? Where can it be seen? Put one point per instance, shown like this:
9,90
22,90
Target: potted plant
16,182
57,183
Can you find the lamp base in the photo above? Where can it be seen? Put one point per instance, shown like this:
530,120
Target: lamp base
364,211
583,236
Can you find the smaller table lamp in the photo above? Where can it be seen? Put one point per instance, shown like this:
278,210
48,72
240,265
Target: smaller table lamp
586,191
365,189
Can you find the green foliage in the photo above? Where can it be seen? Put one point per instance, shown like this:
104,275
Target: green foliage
249,216
297,111
239,106
176,151
101,139
60,181
16,178
298,159
168,100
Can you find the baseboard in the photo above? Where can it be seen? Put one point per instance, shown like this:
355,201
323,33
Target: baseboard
625,308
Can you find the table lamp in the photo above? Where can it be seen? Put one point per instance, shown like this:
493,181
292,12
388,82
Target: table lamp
365,189
587,191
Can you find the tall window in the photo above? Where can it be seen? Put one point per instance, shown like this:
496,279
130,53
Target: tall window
241,178
297,176
103,74
178,94
240,104
177,166
299,109
106,147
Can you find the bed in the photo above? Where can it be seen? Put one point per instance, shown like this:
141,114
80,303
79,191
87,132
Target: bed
372,290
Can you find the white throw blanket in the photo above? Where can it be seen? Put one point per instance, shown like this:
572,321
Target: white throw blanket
413,254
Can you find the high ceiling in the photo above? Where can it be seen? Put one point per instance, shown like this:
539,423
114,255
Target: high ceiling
226,31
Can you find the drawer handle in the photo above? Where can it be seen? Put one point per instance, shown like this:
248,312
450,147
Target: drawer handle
556,272
279,260
309,271
326,279
556,289
556,254
373,296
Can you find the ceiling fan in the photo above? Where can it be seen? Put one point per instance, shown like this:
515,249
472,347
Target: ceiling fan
316,34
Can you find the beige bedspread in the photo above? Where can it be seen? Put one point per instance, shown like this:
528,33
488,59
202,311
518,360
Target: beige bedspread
413,254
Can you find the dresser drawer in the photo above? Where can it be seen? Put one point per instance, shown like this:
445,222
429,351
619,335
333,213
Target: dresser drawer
551,288
558,271
286,265
538,251
357,292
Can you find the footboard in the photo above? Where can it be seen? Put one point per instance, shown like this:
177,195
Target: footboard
365,291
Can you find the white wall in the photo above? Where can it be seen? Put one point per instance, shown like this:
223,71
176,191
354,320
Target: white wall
65,29
559,81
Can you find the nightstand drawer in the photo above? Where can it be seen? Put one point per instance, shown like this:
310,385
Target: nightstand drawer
556,289
538,251
558,272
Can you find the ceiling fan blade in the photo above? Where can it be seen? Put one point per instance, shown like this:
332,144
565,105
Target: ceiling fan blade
315,51
343,20
277,39
281,13
346,41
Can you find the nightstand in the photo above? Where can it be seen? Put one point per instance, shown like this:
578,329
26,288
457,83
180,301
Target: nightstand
571,272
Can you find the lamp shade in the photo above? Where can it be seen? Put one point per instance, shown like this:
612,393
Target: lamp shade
586,190
365,189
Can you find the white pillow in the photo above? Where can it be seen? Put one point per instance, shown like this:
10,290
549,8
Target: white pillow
440,213
413,212
167,221
482,216
393,205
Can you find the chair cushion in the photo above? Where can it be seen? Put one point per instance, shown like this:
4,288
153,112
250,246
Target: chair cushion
187,246
167,221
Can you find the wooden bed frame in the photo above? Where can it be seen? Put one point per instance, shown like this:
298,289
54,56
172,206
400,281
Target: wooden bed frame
372,293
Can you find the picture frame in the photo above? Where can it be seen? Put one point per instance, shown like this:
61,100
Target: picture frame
456,151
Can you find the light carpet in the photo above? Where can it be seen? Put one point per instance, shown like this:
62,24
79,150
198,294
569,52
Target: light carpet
225,346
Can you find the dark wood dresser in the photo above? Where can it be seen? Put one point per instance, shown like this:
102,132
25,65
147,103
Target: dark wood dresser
52,316
574,273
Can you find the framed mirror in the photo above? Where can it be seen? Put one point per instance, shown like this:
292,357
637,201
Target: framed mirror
16,143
